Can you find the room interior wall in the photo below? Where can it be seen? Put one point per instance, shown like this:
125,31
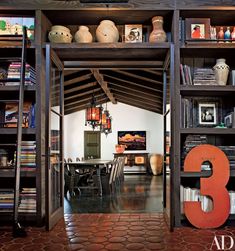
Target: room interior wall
124,118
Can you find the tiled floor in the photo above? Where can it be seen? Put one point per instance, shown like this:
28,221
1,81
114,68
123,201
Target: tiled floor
122,232
138,193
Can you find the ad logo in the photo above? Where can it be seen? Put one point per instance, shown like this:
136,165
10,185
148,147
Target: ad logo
222,242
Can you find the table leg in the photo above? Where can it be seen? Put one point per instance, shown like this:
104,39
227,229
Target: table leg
99,181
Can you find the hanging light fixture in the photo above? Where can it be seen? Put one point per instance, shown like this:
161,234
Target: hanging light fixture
106,122
93,114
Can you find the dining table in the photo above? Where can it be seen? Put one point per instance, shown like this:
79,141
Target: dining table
91,165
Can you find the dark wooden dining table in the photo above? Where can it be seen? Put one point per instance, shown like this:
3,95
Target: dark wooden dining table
90,164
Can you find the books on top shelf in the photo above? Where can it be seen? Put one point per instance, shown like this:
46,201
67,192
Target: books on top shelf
27,200
6,200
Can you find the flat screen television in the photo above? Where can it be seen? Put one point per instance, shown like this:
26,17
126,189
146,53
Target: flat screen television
134,140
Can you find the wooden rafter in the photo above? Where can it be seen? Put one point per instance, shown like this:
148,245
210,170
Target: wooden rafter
82,94
82,107
77,79
138,96
134,75
138,100
104,85
80,87
144,107
124,81
84,100
128,88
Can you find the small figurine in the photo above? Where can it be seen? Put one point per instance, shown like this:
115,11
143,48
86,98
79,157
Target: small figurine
220,35
227,34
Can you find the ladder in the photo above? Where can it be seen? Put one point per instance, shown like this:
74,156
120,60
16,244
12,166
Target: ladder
18,231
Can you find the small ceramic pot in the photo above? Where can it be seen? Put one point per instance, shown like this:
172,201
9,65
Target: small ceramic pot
107,32
221,70
83,35
158,35
59,34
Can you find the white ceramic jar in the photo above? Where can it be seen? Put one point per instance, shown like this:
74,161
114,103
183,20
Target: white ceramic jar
107,32
221,70
83,35
60,34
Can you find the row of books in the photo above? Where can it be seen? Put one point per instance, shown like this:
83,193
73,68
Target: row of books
14,74
201,76
6,200
9,114
28,156
193,194
193,140
27,200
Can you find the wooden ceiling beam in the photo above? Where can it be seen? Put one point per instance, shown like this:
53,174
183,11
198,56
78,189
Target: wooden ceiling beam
133,75
104,85
82,94
111,64
80,87
139,106
154,101
85,101
115,85
111,78
77,79
83,107
134,100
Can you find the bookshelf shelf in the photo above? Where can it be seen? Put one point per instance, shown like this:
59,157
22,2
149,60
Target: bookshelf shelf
16,88
202,174
205,90
11,173
14,131
215,131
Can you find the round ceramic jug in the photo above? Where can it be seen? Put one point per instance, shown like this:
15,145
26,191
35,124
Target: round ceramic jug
60,34
221,70
158,35
156,164
83,35
107,32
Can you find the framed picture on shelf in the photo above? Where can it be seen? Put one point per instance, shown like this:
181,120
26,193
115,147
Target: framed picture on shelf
197,28
133,33
207,113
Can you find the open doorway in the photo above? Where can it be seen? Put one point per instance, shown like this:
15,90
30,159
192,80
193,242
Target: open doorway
137,109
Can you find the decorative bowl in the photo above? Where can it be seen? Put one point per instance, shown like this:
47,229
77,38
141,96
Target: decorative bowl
60,34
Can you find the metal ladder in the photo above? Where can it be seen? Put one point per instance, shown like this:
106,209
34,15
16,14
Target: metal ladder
18,231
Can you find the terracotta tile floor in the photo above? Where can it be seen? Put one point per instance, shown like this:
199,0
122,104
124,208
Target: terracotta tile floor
122,232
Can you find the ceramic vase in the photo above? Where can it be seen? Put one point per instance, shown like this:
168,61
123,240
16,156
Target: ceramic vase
158,35
156,164
83,35
60,34
233,35
213,33
221,33
107,32
227,34
221,70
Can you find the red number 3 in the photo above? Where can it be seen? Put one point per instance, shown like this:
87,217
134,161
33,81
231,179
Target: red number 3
213,186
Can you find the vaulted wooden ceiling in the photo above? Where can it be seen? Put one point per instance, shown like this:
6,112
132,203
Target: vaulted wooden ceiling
142,88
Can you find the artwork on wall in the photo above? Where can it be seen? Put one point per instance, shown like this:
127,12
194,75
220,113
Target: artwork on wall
133,140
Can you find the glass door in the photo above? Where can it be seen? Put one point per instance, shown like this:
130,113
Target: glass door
54,140
167,167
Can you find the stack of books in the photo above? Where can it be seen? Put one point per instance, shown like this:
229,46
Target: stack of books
204,76
186,75
14,74
28,155
27,200
230,153
6,200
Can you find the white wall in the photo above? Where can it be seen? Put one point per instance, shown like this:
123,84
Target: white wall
125,118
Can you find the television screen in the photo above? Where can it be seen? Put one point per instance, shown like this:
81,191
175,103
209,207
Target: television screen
134,140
